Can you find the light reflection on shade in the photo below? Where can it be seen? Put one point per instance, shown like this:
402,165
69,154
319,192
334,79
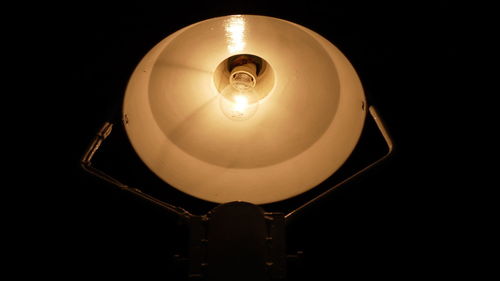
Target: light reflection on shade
235,33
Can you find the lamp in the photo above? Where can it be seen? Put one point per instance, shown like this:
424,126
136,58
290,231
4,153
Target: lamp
241,111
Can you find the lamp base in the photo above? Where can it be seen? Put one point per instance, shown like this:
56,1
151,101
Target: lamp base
237,241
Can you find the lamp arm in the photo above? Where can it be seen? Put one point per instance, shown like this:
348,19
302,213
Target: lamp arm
388,140
86,163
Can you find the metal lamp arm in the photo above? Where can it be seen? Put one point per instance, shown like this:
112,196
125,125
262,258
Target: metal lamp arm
86,163
388,140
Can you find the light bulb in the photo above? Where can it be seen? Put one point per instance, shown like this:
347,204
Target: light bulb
240,103
236,104
239,99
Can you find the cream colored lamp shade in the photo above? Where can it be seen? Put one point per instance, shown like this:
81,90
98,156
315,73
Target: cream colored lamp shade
297,123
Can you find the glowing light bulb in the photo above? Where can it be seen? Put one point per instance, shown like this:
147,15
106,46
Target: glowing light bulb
237,107
240,103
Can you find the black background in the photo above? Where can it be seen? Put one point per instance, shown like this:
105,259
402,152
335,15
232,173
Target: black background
378,225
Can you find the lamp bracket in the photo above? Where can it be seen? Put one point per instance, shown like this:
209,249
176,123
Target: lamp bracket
86,163
383,131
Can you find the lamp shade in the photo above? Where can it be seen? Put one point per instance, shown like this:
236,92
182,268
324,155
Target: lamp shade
303,125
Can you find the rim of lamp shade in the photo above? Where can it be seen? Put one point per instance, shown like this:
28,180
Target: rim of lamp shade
300,134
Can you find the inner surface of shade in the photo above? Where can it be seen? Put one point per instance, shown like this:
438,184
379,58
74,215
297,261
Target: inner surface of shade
303,130
296,113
